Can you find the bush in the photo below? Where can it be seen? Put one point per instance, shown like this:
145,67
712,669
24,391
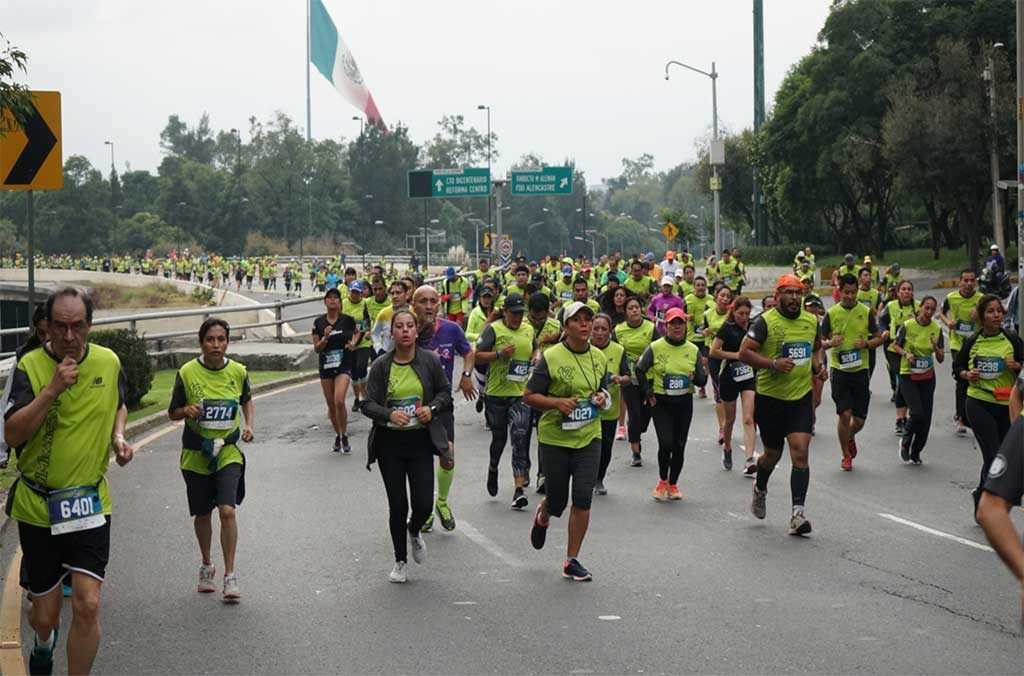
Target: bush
778,254
131,350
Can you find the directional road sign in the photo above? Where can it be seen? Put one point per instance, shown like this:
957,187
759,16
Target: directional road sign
30,156
670,231
543,181
449,183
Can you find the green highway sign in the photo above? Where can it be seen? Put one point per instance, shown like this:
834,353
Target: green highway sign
448,183
544,181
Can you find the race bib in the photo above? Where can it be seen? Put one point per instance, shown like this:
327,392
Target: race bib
921,365
361,325
218,414
75,509
990,368
727,280
584,413
518,370
850,359
741,372
408,404
798,351
566,295
332,358
676,385
456,297
964,328
631,363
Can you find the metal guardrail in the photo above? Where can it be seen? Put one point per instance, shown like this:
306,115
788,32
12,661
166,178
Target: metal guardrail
277,306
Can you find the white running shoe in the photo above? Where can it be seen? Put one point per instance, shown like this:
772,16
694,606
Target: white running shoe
419,548
231,592
206,583
398,573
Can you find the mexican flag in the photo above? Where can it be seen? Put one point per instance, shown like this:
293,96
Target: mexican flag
332,58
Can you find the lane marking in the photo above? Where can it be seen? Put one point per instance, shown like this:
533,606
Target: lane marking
488,544
937,533
11,661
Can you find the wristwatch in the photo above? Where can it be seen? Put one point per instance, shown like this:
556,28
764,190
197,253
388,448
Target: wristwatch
466,374
433,409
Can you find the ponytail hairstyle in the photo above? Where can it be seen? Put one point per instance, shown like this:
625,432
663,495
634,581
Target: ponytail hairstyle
738,302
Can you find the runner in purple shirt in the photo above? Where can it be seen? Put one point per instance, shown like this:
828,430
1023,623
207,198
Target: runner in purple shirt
663,302
446,339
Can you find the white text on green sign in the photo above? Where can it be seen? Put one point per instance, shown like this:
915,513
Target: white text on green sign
545,181
461,183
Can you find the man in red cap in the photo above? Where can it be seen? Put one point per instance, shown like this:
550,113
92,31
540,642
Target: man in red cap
784,345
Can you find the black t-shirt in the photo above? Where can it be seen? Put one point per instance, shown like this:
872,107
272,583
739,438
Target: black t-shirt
1006,473
731,335
342,331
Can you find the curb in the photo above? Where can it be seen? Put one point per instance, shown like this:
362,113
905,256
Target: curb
142,425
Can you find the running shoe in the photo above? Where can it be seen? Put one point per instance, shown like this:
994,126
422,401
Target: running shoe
346,447
337,444
40,661
428,526
519,500
660,492
356,405
852,448
750,468
444,512
905,449
574,570
847,464
538,533
899,427
960,429
636,461
232,594
599,488
620,433
758,503
915,458
541,489
492,481
398,573
206,577
727,459
418,547
702,393
799,525
674,494
526,480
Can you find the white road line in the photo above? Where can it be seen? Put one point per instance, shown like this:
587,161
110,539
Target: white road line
488,544
937,533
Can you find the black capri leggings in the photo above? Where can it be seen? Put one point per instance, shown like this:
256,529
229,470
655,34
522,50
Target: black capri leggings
639,414
990,423
406,457
919,396
607,440
894,361
714,366
672,416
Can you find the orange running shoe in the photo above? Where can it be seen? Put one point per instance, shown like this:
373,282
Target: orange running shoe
674,494
661,491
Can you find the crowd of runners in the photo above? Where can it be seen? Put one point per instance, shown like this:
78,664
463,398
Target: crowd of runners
581,353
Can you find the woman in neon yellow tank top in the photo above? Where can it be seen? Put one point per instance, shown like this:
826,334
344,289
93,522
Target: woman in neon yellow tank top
635,334
919,346
989,362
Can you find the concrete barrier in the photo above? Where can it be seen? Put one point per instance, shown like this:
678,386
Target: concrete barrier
222,298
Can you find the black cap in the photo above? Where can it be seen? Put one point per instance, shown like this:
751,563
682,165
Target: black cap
514,303
486,291
332,292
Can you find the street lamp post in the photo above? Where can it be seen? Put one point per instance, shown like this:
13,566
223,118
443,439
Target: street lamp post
360,120
111,144
714,137
997,210
489,194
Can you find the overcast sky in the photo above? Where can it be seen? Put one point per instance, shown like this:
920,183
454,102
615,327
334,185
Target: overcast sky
581,79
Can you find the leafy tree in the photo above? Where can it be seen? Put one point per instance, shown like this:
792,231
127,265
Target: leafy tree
14,97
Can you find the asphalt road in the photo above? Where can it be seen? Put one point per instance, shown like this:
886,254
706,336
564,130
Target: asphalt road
695,586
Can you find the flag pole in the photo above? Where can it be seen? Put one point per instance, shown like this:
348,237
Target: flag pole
309,114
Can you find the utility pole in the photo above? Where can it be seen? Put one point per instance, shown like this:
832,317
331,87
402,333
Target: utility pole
1020,156
499,189
997,208
760,216
714,167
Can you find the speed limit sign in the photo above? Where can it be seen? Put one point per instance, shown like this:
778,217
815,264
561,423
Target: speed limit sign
505,247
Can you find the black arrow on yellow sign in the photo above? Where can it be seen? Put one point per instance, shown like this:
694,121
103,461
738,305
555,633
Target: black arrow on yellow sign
41,141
